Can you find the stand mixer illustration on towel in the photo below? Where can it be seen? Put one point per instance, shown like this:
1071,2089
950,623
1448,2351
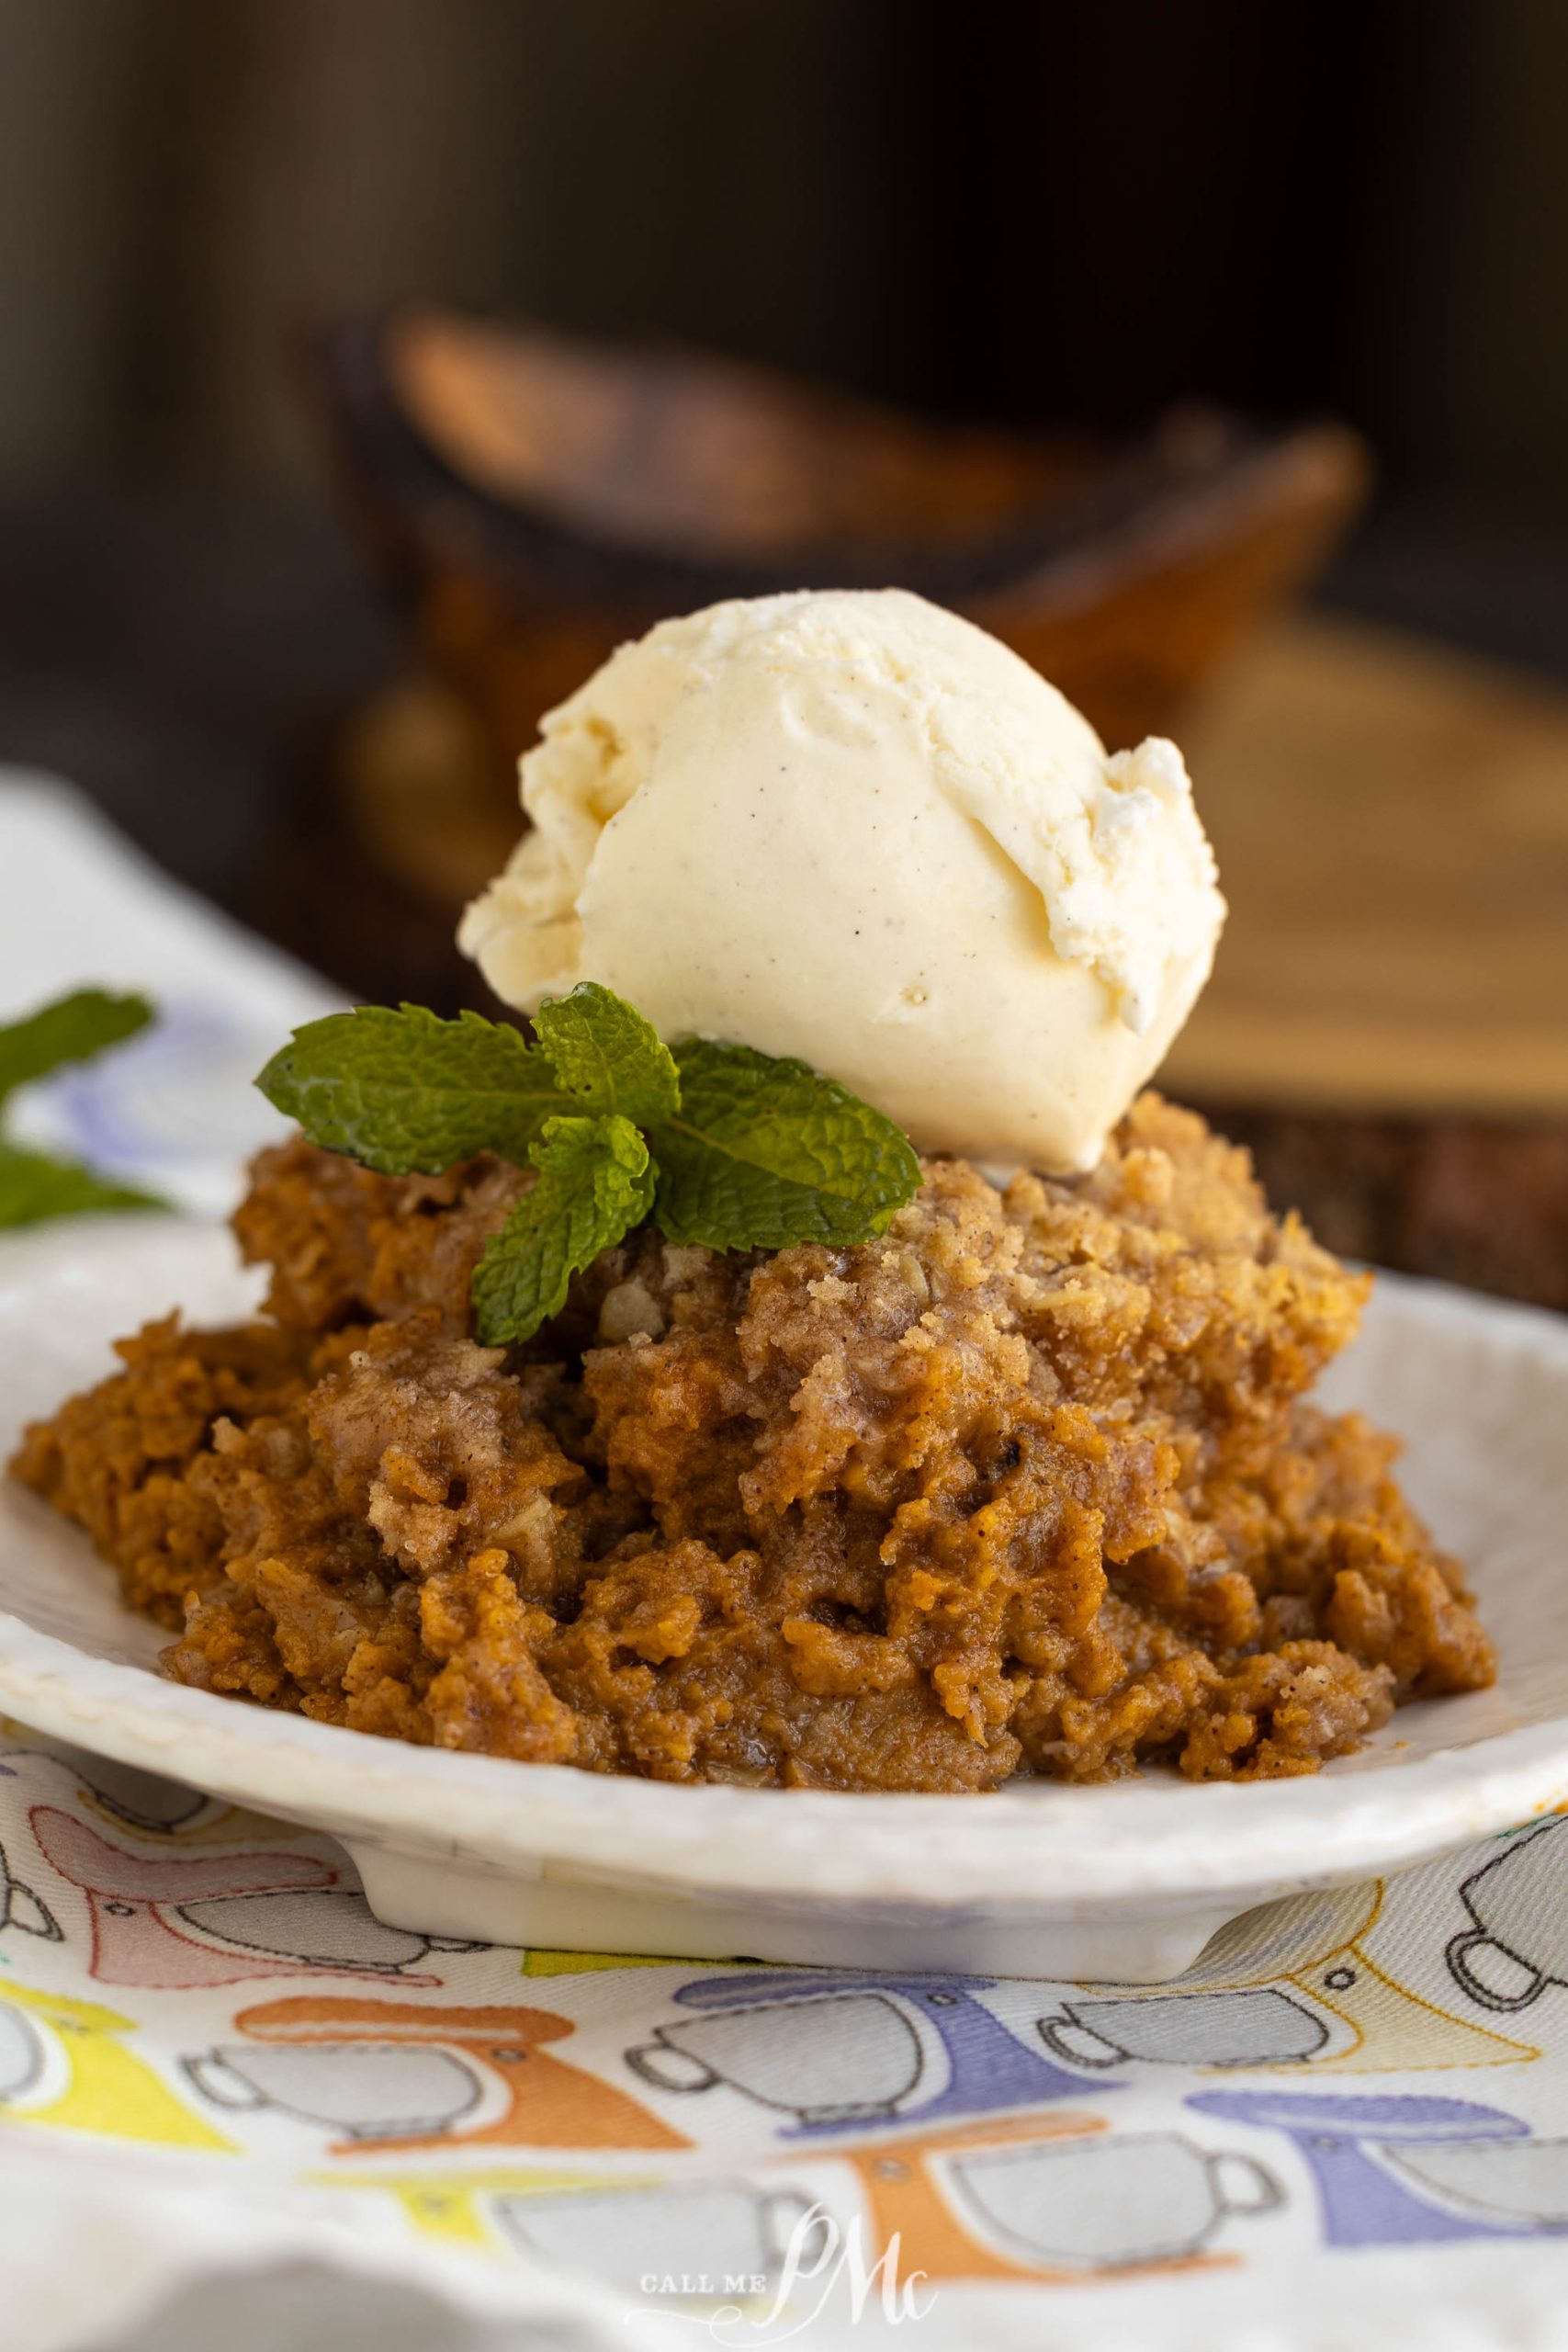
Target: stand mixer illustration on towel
68,2065
1292,1986
167,1919
1516,1946
1054,2196
1398,2171
404,2074
836,2053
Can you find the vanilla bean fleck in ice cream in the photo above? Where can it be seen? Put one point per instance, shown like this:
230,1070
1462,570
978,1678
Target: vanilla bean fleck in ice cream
854,828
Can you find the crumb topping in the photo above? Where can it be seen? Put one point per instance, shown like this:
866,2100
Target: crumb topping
1028,1485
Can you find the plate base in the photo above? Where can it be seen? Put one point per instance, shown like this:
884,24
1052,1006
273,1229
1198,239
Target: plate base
434,1897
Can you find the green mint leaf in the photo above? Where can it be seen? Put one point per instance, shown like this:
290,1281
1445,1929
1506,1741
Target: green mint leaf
405,1091
72,1029
607,1056
752,1152
763,1153
35,1185
594,1183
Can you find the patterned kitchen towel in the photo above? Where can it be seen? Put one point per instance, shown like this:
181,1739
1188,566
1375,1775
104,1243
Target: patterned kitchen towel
1352,2113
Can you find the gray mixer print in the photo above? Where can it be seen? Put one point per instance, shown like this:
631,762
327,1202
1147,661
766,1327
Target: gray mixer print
22,1910
826,2055
1520,2184
1241,2027
22,2058
705,2233
1517,1945
1109,2204
329,1926
367,2090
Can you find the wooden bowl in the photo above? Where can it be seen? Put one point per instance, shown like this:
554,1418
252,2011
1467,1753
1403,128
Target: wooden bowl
533,500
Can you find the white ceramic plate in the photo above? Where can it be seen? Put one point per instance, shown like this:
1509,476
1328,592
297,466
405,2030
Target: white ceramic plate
1123,1882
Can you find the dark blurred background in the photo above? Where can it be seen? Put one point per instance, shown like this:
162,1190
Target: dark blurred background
1030,209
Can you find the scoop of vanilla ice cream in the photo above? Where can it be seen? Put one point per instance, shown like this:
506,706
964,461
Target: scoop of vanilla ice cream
852,827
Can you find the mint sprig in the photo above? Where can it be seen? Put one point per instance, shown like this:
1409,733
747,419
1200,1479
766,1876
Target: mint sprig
720,1144
764,1152
408,1094
37,1185
70,1029
595,1182
607,1056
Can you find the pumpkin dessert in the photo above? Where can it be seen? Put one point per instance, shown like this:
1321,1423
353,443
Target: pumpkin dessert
1028,1484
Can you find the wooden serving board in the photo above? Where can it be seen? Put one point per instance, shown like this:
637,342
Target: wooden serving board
1391,821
